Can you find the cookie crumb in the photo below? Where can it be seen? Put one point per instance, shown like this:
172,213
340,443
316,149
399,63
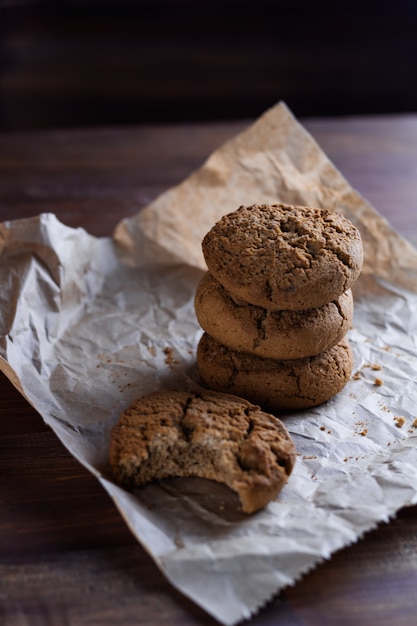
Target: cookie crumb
361,428
322,428
376,367
414,424
356,376
378,382
169,356
399,421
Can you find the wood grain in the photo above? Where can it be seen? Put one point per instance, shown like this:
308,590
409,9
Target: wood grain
96,63
66,556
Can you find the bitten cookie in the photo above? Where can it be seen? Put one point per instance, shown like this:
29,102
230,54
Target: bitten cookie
280,334
275,385
209,435
284,257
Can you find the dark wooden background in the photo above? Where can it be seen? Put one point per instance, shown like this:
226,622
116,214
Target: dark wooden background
72,63
67,557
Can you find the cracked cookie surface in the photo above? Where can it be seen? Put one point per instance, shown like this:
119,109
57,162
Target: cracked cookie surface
283,256
279,334
206,434
273,384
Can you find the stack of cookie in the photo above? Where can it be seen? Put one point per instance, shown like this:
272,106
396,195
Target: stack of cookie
276,304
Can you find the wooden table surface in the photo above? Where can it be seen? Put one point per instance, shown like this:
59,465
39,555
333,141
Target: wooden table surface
66,556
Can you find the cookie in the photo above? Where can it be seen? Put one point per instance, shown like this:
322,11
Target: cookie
209,435
273,384
282,334
284,257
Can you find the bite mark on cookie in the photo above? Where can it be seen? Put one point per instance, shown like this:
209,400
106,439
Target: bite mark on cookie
205,434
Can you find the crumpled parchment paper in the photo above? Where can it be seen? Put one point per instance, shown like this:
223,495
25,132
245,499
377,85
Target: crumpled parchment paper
89,324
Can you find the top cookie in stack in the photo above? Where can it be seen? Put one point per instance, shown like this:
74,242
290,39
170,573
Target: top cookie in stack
276,304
